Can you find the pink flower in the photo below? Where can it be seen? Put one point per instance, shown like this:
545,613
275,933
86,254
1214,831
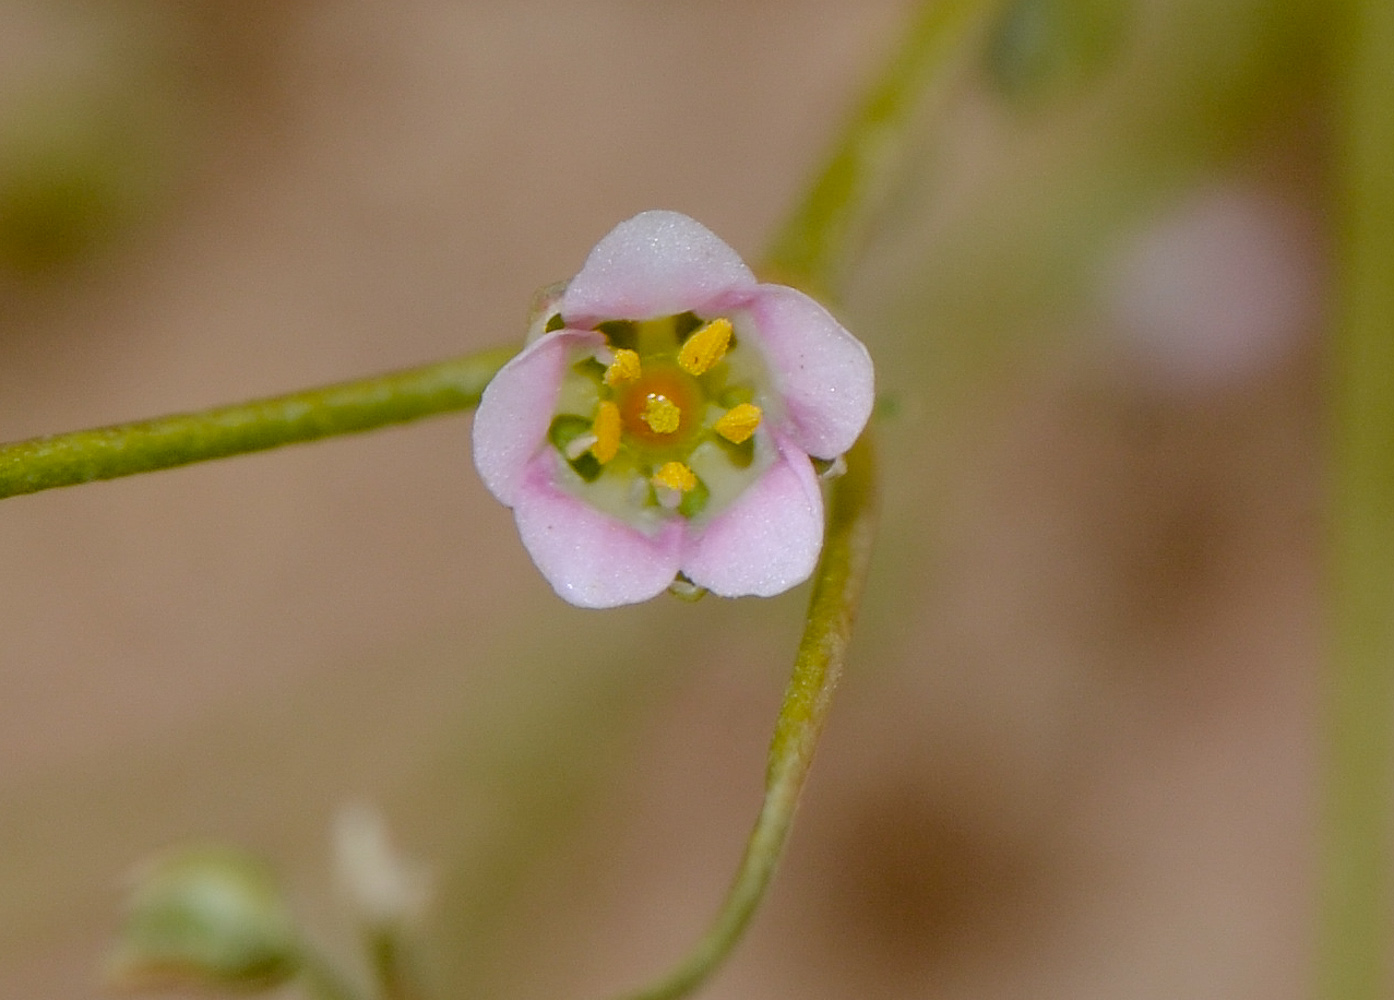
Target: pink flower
662,418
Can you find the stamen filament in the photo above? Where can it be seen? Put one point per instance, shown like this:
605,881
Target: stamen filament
578,446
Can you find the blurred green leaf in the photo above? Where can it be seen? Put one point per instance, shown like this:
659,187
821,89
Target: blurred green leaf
1040,48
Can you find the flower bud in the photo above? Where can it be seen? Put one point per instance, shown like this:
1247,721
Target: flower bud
384,888
206,917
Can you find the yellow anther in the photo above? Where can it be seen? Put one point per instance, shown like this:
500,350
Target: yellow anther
705,347
606,429
625,367
661,414
675,476
738,423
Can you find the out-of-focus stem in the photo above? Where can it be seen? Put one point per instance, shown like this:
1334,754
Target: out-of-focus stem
386,948
321,979
1357,931
824,232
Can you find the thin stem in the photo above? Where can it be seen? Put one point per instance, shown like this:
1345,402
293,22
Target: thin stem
322,979
387,955
1354,962
832,610
165,442
822,235
818,240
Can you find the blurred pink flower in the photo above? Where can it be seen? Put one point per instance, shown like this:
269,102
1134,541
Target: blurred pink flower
662,418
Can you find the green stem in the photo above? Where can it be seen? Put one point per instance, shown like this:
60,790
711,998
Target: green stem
832,609
1354,963
818,240
822,235
321,979
387,956
165,442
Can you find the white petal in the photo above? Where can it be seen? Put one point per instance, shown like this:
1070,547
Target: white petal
768,540
591,559
823,372
517,407
656,264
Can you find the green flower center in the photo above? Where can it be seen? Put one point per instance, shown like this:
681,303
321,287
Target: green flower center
661,421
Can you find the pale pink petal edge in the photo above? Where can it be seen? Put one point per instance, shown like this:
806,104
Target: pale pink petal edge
658,263
768,540
591,560
517,407
823,373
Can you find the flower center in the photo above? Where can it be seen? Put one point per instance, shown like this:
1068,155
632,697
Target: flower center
661,407
661,420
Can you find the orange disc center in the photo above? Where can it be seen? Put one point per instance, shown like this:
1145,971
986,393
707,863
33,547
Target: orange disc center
661,384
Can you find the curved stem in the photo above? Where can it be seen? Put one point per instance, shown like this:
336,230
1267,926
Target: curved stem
165,442
821,236
832,609
811,249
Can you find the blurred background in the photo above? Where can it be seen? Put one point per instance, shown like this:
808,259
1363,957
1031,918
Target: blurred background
1074,754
